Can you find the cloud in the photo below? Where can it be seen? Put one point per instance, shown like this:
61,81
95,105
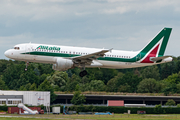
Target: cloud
82,13
120,10
124,6
90,23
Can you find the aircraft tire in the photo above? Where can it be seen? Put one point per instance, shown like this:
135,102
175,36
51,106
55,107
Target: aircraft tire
83,73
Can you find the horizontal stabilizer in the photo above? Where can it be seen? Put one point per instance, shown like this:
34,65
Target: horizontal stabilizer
156,59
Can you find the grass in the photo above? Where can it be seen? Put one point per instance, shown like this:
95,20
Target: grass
92,117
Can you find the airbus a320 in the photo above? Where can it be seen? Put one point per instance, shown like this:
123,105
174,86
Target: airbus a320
67,57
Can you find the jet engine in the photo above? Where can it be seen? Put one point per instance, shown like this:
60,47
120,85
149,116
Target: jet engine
62,64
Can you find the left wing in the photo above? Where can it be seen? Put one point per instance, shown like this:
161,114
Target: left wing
87,59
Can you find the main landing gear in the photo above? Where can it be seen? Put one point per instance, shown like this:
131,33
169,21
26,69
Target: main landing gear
83,73
27,63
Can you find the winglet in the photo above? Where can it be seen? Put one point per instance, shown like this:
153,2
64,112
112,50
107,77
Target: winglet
110,50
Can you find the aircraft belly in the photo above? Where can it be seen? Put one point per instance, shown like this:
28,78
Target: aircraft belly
44,59
122,65
38,59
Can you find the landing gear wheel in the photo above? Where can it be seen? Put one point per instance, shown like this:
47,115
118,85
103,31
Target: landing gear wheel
25,69
83,73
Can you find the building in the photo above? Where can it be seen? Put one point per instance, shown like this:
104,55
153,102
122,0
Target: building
128,99
31,98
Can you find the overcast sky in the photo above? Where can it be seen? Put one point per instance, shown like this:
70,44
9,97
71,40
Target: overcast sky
117,24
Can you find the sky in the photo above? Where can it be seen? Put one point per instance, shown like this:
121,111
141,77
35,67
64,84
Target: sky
118,24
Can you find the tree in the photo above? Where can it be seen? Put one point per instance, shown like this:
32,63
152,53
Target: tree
170,102
3,65
46,86
167,69
166,90
151,72
14,76
2,84
78,98
124,88
72,82
178,105
174,78
58,79
129,79
101,74
158,109
97,85
178,88
112,85
148,85
33,87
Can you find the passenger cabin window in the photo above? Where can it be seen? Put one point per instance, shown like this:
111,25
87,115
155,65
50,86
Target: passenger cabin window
16,48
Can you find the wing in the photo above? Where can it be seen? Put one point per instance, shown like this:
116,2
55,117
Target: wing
87,59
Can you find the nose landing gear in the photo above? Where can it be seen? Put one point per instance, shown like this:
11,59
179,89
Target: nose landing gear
27,63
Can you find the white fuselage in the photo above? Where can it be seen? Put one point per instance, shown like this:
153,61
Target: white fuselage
116,59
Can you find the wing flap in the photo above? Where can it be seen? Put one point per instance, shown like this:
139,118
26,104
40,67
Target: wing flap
92,55
87,59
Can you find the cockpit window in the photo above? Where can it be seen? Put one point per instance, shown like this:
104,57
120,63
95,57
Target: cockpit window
16,48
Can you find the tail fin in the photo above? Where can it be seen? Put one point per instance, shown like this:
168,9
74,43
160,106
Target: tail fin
156,47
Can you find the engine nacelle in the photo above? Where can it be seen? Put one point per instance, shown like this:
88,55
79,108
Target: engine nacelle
62,64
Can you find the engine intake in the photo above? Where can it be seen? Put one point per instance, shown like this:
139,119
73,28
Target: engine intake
62,64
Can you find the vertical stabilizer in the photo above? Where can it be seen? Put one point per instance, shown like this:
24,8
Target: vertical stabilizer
156,47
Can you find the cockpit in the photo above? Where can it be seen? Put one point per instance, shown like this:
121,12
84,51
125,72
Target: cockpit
16,48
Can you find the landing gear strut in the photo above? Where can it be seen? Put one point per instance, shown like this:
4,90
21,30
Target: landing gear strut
83,73
27,63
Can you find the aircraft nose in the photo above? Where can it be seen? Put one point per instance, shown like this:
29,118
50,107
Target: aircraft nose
7,53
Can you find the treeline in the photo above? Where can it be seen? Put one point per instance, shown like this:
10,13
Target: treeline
163,78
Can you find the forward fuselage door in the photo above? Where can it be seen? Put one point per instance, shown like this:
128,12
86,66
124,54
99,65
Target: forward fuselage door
28,49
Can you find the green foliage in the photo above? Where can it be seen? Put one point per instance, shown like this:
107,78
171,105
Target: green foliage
151,72
2,84
124,83
149,110
129,79
103,74
167,69
33,87
163,78
178,87
112,85
169,88
178,105
78,98
96,85
158,109
174,78
166,90
148,85
46,86
170,102
124,88
58,80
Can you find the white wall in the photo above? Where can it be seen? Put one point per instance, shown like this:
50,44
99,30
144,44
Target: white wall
33,98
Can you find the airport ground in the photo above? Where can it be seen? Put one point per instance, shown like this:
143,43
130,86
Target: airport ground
93,117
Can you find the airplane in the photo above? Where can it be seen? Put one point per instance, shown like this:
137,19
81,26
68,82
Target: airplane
67,57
